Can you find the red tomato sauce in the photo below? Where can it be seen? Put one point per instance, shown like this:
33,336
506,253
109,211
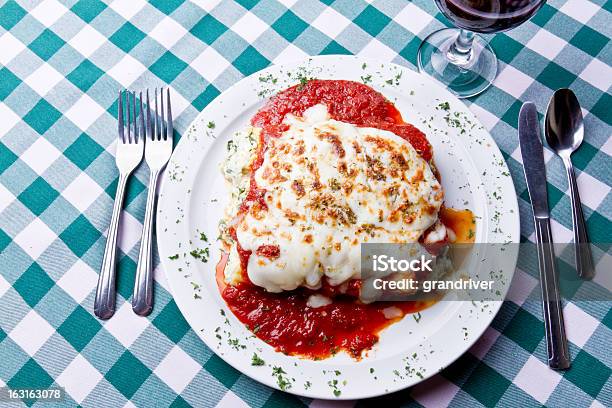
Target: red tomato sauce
284,320
346,101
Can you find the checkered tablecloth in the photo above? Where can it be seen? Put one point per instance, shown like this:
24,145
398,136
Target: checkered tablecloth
61,65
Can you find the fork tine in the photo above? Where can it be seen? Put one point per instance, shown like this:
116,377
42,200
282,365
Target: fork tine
157,121
129,115
143,133
170,129
135,117
120,117
162,135
149,122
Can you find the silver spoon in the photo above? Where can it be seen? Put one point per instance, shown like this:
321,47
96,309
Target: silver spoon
564,133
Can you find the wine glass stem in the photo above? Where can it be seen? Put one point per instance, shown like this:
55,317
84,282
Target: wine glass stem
460,53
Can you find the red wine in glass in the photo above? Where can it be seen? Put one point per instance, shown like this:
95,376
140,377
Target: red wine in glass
459,58
489,16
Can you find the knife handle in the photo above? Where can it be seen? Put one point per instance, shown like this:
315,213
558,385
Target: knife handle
556,341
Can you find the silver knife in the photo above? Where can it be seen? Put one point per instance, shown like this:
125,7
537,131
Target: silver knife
535,174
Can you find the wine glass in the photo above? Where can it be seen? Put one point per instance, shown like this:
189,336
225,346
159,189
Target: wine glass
462,60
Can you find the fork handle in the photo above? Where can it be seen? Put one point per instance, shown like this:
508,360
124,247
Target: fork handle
104,303
142,298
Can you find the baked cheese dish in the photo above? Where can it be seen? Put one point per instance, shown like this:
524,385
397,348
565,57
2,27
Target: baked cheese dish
322,168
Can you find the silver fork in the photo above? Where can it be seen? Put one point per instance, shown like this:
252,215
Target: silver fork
157,154
130,146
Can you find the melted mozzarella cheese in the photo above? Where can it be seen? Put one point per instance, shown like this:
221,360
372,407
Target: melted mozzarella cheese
317,300
331,186
241,151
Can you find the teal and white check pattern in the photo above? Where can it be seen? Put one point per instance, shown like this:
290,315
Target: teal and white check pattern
61,65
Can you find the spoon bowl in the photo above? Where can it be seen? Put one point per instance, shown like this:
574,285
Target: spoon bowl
564,128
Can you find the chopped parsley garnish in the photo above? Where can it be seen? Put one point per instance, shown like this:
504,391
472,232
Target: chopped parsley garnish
444,106
268,79
235,343
282,381
173,257
333,384
200,253
211,125
395,79
256,360
304,79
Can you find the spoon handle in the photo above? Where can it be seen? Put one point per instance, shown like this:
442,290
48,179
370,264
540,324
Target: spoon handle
584,261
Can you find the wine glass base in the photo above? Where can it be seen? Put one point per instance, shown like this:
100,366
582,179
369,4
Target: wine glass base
465,78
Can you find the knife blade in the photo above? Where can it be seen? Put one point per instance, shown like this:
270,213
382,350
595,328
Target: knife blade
533,158
532,152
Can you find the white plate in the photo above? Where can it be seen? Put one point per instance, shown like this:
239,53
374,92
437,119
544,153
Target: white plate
193,196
